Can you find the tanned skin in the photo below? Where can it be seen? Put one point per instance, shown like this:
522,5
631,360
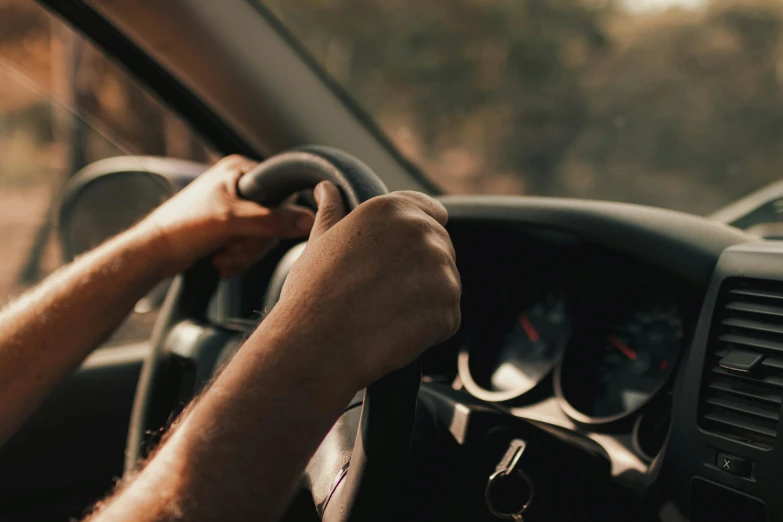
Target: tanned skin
371,292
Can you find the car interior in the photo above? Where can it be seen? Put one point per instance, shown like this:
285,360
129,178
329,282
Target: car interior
615,361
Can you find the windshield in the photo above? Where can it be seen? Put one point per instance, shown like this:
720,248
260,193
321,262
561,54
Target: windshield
673,103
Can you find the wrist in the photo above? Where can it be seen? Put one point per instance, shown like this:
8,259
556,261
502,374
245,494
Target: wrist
151,249
327,350
161,253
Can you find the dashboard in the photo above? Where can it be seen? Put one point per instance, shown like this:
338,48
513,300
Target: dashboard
571,333
652,336
648,341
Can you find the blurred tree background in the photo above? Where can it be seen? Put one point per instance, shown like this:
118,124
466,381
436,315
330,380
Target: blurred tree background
63,104
675,104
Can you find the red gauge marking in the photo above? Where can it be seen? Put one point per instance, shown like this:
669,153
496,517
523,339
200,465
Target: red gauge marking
663,365
530,330
617,343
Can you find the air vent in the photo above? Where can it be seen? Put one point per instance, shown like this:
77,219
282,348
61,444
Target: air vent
742,387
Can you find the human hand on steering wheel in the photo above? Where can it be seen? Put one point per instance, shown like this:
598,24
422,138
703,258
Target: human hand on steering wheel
208,217
373,290
381,283
390,262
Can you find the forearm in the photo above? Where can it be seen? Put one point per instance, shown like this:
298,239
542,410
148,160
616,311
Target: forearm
240,451
47,332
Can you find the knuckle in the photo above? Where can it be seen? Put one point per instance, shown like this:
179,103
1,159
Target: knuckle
436,252
440,206
425,202
416,226
327,211
436,207
231,159
224,214
381,205
440,260
450,283
328,214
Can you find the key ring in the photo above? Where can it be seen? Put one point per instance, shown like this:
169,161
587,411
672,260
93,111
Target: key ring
508,481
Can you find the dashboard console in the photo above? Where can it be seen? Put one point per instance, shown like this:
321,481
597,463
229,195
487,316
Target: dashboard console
655,334
724,455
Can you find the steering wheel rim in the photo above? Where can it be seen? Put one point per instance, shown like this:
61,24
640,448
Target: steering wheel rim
388,409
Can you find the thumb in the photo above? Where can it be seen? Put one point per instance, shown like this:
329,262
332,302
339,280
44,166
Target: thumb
331,208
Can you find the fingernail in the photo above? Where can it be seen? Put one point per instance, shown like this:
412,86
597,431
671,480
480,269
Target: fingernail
320,191
305,222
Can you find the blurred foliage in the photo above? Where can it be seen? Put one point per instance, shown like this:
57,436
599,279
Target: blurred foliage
63,104
679,107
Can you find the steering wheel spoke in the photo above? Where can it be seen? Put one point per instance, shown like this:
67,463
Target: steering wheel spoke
191,354
201,349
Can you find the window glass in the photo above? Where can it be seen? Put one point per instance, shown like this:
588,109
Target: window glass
63,105
674,103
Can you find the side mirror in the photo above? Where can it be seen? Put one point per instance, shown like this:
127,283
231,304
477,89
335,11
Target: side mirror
111,195
760,212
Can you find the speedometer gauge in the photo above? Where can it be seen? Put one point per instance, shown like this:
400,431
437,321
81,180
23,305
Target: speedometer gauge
619,371
532,345
533,341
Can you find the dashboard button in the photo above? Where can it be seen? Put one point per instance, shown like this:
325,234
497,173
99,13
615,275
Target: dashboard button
740,361
734,465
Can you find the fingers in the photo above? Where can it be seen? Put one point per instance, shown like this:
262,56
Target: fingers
331,208
235,166
445,242
285,221
254,228
227,172
435,211
431,207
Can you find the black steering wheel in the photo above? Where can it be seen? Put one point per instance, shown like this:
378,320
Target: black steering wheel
352,493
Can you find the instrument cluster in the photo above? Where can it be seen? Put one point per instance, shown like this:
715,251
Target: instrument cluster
598,331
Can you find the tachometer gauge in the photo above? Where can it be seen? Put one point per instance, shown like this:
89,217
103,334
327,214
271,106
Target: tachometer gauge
619,372
532,344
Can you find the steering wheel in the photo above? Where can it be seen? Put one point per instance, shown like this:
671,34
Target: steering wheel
349,493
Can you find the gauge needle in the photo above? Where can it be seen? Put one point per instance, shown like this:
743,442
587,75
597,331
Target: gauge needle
617,343
530,330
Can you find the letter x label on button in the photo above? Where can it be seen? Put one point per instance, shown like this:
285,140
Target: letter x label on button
726,464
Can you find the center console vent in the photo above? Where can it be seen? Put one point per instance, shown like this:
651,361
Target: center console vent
742,384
